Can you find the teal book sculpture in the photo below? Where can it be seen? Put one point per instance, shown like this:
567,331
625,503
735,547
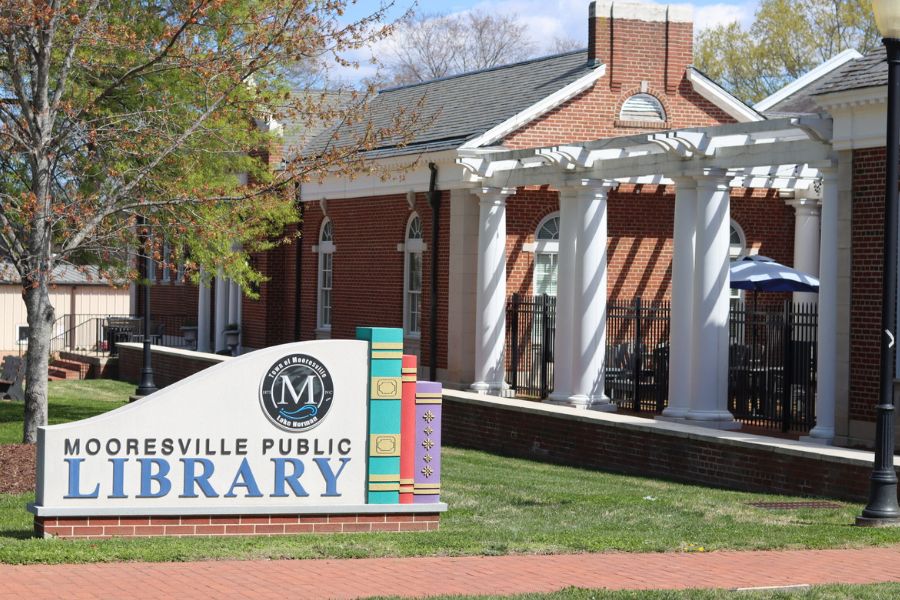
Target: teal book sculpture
385,376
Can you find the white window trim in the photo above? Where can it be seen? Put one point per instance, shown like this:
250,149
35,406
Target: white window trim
412,247
542,246
735,294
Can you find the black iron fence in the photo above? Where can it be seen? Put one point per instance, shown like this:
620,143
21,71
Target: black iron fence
772,365
530,333
637,355
98,335
772,358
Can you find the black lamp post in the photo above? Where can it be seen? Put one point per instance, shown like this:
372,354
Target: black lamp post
882,508
147,386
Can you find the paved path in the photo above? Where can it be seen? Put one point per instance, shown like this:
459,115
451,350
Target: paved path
430,576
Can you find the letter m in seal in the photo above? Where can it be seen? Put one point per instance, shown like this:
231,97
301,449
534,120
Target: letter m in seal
297,397
308,386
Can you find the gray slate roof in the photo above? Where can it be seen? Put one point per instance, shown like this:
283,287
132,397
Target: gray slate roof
461,107
62,275
297,133
868,71
799,103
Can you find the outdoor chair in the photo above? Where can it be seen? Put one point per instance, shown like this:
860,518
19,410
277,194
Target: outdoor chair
11,378
618,370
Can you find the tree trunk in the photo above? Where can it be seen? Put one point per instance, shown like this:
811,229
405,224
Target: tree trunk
41,317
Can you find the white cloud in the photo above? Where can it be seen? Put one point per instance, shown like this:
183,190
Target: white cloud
720,14
547,20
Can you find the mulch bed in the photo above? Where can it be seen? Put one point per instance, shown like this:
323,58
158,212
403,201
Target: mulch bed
17,468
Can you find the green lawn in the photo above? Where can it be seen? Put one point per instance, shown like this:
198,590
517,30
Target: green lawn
69,401
825,592
497,506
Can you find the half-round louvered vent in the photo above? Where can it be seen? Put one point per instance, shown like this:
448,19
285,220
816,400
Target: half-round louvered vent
643,107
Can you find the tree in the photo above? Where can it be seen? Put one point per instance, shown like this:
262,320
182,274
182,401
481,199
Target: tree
787,39
433,46
120,112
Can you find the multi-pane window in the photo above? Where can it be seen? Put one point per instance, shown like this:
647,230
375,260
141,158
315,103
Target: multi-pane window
326,274
546,257
412,319
737,249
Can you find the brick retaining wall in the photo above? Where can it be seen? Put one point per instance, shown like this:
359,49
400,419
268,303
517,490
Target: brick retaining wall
169,364
105,527
649,448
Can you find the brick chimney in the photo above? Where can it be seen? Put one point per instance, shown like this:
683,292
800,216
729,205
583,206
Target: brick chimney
641,43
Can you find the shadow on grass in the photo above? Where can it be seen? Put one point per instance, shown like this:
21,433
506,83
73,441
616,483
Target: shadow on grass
17,534
60,412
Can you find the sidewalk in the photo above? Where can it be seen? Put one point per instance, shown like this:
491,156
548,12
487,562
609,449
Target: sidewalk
432,576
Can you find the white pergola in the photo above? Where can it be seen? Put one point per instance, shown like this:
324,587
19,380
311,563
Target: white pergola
703,164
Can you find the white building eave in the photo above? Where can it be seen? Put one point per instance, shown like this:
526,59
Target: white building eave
782,153
859,117
402,179
801,82
716,94
536,110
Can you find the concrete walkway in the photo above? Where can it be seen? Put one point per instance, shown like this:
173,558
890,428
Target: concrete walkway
432,576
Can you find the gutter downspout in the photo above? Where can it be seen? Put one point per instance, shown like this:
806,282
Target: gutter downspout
434,199
298,269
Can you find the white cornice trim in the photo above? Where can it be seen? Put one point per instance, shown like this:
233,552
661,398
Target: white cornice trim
801,82
721,98
852,98
536,110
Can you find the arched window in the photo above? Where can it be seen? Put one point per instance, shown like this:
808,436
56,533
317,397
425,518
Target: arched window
546,256
326,279
737,249
412,280
643,107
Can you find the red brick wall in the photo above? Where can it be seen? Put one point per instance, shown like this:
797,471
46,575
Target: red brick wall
270,320
867,242
230,525
633,450
368,268
656,48
641,224
167,369
593,115
634,52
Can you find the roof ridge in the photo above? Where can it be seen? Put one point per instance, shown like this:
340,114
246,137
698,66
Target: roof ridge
480,71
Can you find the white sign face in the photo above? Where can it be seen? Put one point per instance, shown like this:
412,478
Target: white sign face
280,428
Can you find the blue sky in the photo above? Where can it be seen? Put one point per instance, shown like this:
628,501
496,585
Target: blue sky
545,20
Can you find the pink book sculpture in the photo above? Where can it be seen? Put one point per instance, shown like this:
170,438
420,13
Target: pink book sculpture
408,429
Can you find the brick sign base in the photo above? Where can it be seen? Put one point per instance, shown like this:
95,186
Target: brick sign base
107,527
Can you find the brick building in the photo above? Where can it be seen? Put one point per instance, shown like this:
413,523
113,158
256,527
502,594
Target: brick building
370,246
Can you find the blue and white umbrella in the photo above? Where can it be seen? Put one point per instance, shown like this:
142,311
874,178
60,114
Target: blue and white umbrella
762,274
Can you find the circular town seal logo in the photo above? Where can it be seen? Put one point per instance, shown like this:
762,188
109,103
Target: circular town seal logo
296,393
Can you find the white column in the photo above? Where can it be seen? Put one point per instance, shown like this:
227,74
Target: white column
563,349
234,302
203,307
234,310
589,302
709,375
682,312
827,370
807,215
490,293
221,312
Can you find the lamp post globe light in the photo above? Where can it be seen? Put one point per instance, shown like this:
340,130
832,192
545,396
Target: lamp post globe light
882,508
